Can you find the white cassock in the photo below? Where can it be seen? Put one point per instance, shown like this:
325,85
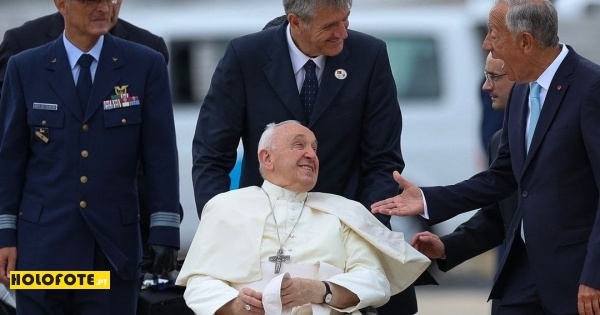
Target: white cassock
330,238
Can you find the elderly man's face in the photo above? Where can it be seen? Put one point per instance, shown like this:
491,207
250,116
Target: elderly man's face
295,165
326,34
503,45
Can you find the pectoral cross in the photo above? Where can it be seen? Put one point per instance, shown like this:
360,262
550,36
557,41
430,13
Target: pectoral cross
278,259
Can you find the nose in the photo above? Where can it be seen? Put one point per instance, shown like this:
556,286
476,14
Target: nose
487,86
342,30
103,5
487,44
310,153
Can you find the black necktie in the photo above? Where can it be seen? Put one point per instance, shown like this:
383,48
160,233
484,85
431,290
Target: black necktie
310,87
84,81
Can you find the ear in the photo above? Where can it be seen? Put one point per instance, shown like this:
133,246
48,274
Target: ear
294,20
265,159
526,41
61,5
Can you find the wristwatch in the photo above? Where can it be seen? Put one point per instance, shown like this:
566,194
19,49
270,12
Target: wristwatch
328,295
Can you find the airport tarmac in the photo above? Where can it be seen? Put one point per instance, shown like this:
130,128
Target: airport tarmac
453,301
461,291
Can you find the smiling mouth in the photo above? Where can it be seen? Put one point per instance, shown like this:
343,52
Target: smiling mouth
310,168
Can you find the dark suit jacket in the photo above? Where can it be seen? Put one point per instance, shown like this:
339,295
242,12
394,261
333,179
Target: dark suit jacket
356,120
79,188
557,184
47,28
485,230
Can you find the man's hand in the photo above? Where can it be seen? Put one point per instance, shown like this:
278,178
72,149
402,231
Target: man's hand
588,300
299,291
429,244
409,202
8,261
247,302
160,259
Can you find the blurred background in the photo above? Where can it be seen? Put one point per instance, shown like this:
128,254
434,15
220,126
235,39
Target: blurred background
435,52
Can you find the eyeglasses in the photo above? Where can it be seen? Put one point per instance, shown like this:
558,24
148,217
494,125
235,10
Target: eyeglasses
492,78
97,2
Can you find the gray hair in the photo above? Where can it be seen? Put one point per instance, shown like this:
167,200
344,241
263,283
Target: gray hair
307,9
539,18
267,137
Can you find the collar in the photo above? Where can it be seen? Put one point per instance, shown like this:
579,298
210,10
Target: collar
299,58
73,53
275,192
546,78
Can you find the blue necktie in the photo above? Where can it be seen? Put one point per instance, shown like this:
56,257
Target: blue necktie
310,87
534,99
84,81
534,115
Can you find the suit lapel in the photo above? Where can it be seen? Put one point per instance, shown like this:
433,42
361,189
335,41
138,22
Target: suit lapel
106,77
62,80
280,74
330,85
554,97
518,151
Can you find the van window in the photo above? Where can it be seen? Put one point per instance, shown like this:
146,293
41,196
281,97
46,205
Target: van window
414,62
415,67
192,66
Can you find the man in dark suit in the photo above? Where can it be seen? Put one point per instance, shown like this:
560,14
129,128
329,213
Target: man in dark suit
69,160
553,245
47,28
355,114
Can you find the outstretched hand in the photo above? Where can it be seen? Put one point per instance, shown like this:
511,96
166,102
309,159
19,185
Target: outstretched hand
409,202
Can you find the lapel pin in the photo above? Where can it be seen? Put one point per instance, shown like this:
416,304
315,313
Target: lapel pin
341,74
115,59
559,87
53,60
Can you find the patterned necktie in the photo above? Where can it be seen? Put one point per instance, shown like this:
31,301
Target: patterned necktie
310,87
84,81
534,98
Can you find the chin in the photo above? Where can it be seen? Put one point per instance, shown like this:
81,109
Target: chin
334,50
309,185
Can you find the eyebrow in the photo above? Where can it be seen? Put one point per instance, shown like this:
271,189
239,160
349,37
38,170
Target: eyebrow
303,138
298,136
493,72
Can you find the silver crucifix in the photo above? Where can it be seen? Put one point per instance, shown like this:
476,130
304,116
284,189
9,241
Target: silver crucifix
278,259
